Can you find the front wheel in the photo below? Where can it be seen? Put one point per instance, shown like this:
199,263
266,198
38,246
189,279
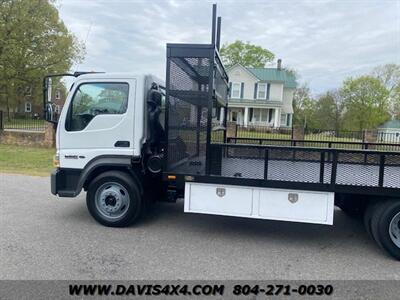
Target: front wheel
114,199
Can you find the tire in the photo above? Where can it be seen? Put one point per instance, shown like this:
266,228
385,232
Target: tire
385,226
368,213
376,215
114,199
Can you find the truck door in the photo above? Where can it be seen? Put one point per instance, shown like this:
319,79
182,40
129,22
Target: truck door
99,120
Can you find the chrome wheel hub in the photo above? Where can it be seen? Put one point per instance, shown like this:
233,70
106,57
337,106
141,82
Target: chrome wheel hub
112,200
394,230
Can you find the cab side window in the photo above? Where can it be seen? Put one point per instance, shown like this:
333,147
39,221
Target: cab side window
92,99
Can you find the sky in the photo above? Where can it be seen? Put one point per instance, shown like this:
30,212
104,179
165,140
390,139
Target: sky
325,41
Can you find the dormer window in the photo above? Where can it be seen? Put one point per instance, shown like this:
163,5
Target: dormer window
262,90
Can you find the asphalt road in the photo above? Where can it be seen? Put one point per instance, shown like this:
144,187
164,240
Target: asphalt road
43,237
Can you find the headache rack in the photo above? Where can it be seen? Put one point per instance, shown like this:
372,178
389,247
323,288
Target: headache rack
198,149
196,93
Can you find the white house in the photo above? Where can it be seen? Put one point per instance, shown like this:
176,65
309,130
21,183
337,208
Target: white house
389,132
261,96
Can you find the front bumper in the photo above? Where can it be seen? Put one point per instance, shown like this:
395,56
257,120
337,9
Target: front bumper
53,181
65,182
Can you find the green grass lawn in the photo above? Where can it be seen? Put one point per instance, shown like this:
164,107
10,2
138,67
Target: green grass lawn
26,160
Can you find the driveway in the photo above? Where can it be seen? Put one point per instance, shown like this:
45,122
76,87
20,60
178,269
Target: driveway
45,237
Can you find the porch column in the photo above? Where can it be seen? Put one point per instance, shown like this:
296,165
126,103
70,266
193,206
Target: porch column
246,116
221,115
276,119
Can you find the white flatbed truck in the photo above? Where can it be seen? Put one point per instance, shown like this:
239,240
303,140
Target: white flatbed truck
130,139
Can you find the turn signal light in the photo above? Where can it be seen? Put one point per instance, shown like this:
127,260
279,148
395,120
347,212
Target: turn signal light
56,161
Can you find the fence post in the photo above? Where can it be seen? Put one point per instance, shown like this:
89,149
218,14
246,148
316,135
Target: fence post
50,135
1,120
363,136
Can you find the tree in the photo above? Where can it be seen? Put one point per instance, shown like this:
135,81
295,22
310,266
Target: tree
328,111
365,101
33,42
389,75
246,54
303,107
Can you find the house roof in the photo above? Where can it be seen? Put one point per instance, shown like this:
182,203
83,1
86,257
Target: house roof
391,124
273,74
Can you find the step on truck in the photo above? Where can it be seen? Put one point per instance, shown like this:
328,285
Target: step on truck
129,140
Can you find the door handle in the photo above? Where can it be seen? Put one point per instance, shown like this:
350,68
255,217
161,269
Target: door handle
122,144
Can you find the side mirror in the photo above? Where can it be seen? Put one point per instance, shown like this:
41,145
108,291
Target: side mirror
48,106
154,98
49,113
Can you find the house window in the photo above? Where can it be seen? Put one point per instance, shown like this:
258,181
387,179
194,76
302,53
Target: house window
28,107
236,90
58,95
283,119
286,119
57,109
261,115
262,91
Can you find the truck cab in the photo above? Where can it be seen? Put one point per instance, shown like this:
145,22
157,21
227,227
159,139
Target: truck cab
105,114
108,124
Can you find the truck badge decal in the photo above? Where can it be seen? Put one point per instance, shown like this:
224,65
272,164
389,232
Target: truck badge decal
220,192
293,197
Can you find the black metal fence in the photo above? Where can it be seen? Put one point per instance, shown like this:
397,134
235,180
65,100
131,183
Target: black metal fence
344,135
388,137
15,122
269,133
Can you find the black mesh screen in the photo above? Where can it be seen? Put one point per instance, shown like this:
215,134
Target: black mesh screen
195,81
187,134
187,114
221,88
189,74
372,169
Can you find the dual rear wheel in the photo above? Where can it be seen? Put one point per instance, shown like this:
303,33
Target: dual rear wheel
382,222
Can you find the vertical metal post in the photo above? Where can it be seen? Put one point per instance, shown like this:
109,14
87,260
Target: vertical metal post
322,168
266,158
167,103
219,33
1,120
198,107
381,169
334,167
210,101
225,121
214,21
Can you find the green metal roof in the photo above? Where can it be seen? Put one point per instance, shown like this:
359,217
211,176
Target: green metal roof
391,124
273,74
